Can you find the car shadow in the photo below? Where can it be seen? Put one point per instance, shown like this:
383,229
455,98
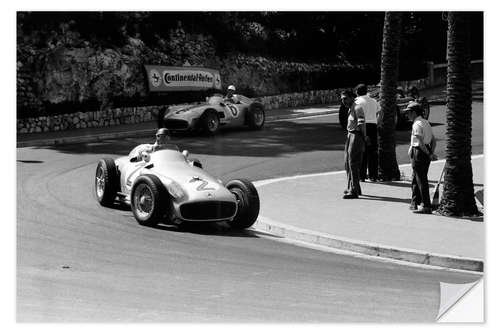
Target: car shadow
211,228
275,139
30,161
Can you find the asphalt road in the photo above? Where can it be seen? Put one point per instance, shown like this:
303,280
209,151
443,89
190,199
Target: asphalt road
79,262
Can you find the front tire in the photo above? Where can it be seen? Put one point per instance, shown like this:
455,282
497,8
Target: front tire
209,122
149,200
106,182
248,202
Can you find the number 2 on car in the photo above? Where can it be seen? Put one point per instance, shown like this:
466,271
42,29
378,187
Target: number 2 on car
203,185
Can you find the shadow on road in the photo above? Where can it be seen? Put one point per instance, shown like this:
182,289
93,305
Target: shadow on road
30,161
212,229
285,137
276,139
382,198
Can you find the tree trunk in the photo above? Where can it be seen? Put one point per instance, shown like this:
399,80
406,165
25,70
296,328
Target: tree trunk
458,189
388,165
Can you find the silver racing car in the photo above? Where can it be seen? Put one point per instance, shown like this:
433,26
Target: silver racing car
165,186
216,112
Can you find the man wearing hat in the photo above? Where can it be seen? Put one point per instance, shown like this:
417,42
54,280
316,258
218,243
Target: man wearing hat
421,152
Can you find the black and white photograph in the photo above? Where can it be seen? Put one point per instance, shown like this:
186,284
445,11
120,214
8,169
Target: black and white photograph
257,166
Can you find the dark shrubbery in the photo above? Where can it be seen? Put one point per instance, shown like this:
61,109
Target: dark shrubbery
71,61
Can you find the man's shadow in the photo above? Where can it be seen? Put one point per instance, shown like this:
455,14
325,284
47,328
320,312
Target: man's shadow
383,198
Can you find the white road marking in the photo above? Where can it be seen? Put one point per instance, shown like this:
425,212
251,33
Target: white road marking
304,117
264,182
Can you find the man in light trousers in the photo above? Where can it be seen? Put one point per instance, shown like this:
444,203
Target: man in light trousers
355,144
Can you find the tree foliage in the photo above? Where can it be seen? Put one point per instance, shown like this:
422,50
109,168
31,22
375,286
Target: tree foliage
288,46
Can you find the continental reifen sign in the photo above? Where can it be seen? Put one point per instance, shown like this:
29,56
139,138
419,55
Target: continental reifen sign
167,78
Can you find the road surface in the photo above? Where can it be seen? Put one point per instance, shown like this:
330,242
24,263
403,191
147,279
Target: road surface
79,262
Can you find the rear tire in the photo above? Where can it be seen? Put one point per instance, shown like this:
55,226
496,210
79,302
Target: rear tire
106,182
209,122
149,200
248,203
256,117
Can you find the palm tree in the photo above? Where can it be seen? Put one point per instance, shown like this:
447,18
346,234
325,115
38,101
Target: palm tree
388,165
458,189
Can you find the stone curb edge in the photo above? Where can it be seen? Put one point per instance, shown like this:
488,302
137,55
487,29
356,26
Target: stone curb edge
107,136
376,250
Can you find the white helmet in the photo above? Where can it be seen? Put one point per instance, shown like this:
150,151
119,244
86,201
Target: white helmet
231,87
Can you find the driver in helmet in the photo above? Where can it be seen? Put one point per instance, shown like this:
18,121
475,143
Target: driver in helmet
230,95
162,138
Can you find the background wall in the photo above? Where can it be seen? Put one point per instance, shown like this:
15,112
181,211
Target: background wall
85,61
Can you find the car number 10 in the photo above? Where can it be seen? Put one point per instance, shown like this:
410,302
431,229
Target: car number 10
233,109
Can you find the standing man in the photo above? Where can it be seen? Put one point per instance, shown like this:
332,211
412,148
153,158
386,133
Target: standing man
354,145
371,109
421,152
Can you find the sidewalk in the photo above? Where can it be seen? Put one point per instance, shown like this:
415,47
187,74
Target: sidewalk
148,128
310,208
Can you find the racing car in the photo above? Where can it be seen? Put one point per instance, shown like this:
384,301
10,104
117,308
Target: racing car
165,186
401,119
214,113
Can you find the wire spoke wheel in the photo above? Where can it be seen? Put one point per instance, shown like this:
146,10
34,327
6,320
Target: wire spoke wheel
106,182
209,122
144,201
212,123
240,197
100,182
149,200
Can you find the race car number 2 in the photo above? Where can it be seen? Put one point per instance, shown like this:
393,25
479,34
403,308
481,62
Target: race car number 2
203,185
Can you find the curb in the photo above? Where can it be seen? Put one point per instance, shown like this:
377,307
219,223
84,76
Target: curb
371,249
136,133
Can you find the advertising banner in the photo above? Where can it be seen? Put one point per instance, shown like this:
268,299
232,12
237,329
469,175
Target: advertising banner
167,78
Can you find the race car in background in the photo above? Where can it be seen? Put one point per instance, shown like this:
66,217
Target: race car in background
215,113
165,186
400,117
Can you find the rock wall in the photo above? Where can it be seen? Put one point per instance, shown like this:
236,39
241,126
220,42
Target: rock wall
132,115
87,78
